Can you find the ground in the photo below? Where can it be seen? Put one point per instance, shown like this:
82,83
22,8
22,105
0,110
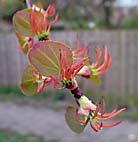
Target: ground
50,124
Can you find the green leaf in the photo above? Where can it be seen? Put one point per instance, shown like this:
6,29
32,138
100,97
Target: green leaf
45,56
28,86
21,22
72,122
95,79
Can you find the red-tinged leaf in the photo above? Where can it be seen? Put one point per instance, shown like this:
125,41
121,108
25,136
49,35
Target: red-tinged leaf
73,124
28,86
45,57
21,22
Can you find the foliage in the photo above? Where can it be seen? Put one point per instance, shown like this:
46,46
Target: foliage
8,90
75,14
71,120
28,87
7,136
23,26
9,7
47,53
131,22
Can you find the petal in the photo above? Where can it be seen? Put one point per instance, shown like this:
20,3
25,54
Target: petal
82,121
105,58
106,64
46,83
106,114
80,51
96,111
85,72
98,57
50,10
77,43
94,126
106,67
103,106
77,70
52,23
55,82
113,115
112,124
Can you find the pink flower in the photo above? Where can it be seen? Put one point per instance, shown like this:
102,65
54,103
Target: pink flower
80,51
25,43
39,21
96,69
43,81
68,73
47,81
96,118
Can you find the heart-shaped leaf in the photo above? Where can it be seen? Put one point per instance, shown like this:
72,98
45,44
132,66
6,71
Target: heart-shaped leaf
45,56
70,117
21,22
28,86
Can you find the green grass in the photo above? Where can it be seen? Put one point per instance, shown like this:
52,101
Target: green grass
128,101
8,136
46,99
14,94
49,99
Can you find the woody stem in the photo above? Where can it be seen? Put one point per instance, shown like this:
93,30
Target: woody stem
74,89
28,3
77,93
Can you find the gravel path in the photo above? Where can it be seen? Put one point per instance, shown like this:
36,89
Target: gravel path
51,125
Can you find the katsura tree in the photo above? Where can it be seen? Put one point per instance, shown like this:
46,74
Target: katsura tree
54,62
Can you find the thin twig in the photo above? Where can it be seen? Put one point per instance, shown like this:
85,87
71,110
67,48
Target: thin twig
28,3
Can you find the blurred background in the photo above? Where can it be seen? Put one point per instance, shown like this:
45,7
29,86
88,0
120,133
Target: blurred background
40,118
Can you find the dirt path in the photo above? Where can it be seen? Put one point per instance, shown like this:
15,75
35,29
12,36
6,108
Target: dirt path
51,125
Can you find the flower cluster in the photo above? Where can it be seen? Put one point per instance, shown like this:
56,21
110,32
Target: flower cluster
39,21
55,62
94,116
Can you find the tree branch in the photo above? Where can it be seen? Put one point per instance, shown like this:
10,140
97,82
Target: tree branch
28,3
